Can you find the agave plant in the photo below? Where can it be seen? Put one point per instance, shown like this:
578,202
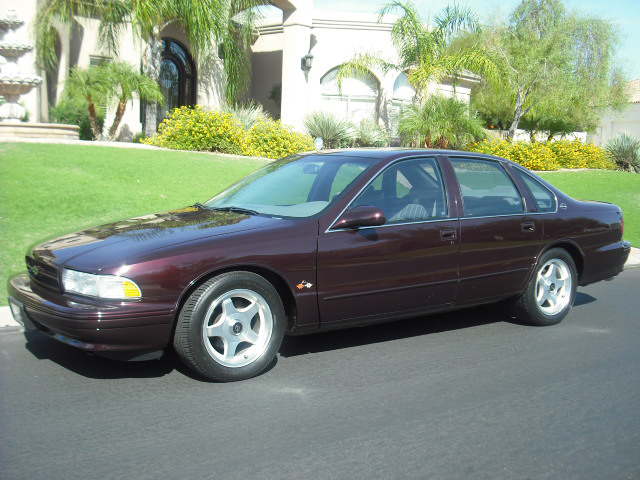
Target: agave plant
441,123
334,131
625,151
247,114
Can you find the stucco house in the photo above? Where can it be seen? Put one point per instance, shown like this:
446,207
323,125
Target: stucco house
616,123
295,55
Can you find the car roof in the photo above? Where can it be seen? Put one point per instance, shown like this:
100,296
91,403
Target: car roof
392,153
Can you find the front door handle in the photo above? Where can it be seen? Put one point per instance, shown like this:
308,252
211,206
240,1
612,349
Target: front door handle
529,227
448,235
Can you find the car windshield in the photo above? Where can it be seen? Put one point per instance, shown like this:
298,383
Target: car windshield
297,186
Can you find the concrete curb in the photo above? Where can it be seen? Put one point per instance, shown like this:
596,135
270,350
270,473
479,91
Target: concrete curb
7,321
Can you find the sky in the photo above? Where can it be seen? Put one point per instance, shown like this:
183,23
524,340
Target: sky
625,14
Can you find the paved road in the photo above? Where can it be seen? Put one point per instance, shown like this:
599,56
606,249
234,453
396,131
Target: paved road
459,396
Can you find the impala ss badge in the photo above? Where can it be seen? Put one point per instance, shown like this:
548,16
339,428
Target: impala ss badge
304,284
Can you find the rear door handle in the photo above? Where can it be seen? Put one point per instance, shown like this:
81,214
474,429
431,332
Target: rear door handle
528,227
448,235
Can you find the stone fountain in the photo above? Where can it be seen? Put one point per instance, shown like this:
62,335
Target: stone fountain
14,83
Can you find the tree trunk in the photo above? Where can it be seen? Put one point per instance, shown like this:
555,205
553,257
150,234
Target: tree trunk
122,105
151,67
517,115
93,116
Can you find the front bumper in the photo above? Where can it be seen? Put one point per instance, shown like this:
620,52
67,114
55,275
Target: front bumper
125,330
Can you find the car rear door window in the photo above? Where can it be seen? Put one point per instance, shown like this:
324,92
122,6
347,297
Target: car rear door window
486,188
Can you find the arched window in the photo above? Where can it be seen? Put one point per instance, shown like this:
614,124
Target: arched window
357,101
403,95
177,77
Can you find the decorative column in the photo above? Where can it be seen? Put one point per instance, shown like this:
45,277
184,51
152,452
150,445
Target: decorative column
297,22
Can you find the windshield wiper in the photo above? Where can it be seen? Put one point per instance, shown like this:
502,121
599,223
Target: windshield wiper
246,211
200,206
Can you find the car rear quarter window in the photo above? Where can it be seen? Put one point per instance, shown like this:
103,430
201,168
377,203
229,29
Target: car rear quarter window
545,199
486,188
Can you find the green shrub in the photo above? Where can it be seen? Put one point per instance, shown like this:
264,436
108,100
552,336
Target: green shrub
370,134
335,132
440,122
138,137
271,139
74,112
625,151
188,128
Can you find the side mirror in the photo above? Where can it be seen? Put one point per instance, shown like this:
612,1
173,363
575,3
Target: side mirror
362,216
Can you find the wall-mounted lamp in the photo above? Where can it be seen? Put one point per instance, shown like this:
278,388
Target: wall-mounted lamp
306,62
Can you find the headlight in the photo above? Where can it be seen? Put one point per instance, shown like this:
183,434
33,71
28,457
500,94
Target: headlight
102,286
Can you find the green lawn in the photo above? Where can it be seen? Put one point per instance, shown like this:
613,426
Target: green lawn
47,190
620,188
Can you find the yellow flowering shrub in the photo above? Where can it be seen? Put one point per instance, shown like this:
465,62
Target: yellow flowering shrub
189,128
576,154
548,155
271,139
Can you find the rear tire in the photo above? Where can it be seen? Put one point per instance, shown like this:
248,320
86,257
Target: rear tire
231,327
551,291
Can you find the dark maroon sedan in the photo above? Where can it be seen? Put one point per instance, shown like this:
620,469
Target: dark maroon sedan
319,241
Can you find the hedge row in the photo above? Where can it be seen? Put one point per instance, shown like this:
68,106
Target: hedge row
549,155
188,128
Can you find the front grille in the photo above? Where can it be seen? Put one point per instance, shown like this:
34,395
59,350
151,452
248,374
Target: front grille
43,274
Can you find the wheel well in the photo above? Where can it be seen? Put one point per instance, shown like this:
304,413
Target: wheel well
575,253
274,279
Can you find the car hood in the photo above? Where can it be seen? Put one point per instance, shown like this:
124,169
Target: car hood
118,242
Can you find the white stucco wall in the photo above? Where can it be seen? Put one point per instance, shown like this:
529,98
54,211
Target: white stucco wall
616,123
334,38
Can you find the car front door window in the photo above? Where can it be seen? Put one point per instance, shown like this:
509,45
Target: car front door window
409,191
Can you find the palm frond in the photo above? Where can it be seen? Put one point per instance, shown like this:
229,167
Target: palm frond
476,60
453,19
362,65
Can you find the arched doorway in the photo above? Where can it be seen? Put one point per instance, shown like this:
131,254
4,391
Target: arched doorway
177,77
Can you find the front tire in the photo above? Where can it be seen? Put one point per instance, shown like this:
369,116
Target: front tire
231,327
551,291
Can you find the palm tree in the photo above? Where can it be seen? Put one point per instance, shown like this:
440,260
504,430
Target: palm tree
210,26
91,85
125,83
422,51
441,123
